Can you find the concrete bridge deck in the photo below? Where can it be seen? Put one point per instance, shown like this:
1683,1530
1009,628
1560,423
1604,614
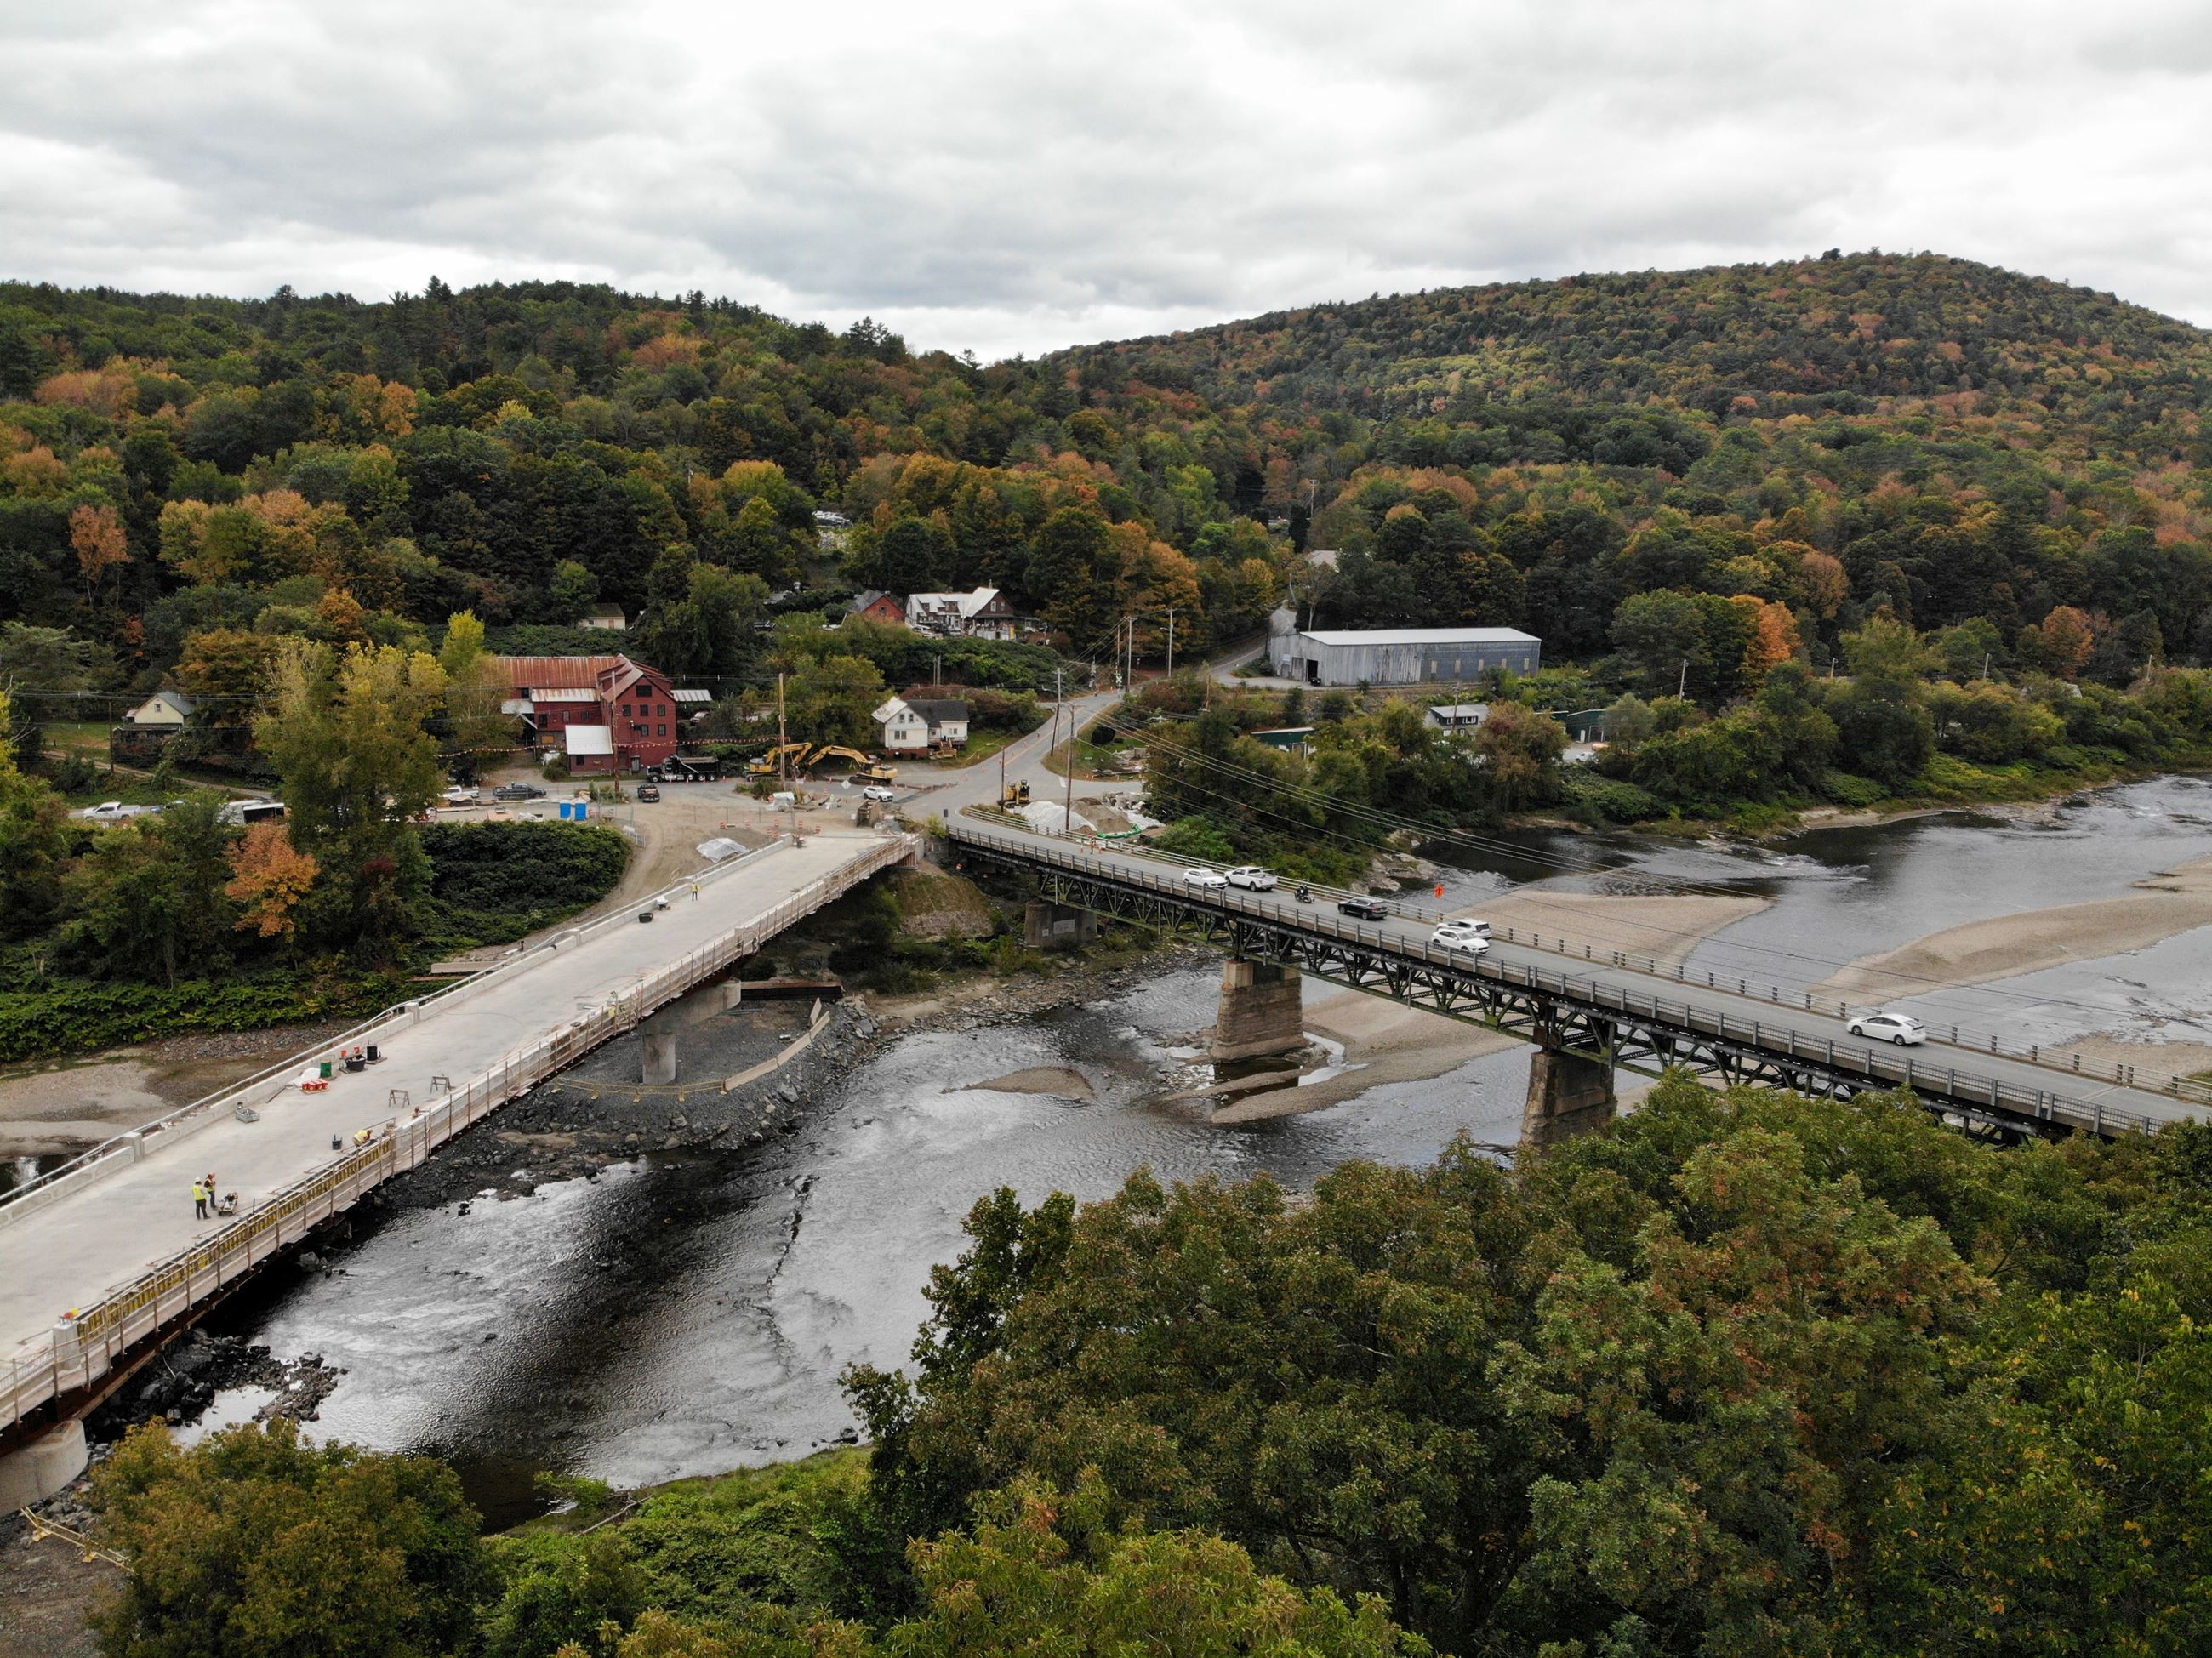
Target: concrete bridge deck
117,1243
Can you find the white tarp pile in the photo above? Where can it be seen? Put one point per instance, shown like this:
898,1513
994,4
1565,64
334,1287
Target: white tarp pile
1049,817
720,847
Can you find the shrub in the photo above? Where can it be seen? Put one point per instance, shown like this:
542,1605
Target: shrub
1849,789
1599,799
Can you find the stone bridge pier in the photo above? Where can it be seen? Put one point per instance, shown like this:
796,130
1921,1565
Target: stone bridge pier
1568,1094
1262,1010
1046,925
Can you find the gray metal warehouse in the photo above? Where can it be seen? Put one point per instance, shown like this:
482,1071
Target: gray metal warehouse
1403,656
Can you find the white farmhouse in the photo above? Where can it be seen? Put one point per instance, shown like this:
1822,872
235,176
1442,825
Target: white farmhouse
920,725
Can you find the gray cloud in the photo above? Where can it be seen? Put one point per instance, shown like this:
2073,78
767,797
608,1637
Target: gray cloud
1019,177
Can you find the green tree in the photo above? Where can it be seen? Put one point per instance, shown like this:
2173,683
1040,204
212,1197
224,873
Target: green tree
1520,749
34,842
256,1544
1662,636
832,700
149,900
348,737
1018,1586
573,591
479,735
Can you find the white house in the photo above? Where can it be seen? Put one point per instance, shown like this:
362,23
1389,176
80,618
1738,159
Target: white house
918,727
165,710
981,613
607,618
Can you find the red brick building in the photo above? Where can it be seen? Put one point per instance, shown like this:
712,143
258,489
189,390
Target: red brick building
606,714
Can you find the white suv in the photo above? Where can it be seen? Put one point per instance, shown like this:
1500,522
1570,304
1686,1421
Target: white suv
1200,876
1468,938
1899,1028
1250,876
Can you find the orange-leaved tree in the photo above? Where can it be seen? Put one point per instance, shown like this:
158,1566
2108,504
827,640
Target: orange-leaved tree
271,877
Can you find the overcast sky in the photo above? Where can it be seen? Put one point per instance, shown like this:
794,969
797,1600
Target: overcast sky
1014,178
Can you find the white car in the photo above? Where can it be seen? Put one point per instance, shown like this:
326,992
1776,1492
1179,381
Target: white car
1252,878
1200,876
109,811
459,795
1899,1028
878,792
1468,938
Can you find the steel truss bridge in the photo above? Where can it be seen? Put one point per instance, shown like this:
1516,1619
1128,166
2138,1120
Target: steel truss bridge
1615,1016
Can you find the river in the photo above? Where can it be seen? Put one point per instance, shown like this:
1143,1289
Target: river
689,1314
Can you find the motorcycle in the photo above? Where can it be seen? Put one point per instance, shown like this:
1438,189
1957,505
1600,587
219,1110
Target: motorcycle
1303,894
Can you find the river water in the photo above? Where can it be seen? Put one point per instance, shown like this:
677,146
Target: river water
685,1316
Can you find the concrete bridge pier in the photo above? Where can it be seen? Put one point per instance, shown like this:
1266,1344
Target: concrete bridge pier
1045,924
657,1059
1568,1094
32,1473
1261,1009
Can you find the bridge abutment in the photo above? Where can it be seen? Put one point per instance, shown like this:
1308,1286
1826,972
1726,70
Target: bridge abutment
1262,1004
1046,925
1568,1094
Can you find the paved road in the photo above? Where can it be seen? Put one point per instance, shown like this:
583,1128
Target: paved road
1815,1027
100,1237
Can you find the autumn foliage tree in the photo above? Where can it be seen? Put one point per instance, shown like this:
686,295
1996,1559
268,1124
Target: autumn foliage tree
270,880
97,535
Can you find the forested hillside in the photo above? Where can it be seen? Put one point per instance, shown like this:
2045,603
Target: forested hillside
1959,441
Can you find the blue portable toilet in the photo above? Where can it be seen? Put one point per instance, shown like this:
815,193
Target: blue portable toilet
583,810
565,813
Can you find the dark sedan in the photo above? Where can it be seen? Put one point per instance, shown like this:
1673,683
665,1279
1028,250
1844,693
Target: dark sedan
1364,909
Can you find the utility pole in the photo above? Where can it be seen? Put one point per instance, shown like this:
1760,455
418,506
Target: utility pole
1067,811
936,670
782,753
1682,680
1171,644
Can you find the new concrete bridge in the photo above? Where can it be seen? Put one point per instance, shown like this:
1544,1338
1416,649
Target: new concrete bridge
104,1260
1589,1011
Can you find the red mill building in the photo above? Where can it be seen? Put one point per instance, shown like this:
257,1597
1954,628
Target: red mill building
606,714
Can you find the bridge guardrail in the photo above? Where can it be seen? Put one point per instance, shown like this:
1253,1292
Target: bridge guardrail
86,1344
1876,1064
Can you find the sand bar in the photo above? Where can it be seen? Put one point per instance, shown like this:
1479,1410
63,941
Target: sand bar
2005,947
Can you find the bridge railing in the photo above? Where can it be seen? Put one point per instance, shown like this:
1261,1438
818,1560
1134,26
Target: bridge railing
1890,1066
2056,1059
88,1342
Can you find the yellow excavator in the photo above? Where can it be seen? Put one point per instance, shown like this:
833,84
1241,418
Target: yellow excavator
1014,798
765,765
864,768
